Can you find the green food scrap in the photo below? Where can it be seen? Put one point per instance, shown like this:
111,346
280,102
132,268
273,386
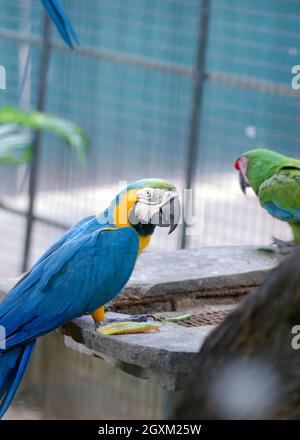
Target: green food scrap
178,318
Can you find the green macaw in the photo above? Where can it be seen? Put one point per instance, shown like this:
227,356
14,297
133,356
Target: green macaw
275,179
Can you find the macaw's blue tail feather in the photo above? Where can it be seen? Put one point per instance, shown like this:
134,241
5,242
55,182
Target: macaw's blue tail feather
13,365
61,21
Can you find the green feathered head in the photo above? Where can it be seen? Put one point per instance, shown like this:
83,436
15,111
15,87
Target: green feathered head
256,166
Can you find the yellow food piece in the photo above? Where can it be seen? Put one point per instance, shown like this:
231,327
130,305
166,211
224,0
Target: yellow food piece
120,328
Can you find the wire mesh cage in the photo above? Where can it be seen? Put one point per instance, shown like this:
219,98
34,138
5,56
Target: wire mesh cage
176,89
132,85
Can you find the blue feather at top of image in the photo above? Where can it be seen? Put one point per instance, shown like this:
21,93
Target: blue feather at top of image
61,21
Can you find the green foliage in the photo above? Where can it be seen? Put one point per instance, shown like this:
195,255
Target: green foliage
16,141
15,147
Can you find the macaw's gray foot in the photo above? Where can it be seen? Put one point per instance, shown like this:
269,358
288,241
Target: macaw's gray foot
278,247
283,247
139,318
109,308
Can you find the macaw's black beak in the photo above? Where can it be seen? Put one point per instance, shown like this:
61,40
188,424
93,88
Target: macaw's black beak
169,214
243,183
174,214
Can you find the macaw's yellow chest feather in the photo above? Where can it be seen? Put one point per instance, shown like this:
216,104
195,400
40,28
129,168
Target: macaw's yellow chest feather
121,213
144,242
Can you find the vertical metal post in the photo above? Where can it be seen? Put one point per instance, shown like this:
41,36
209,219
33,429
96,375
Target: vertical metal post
196,108
37,139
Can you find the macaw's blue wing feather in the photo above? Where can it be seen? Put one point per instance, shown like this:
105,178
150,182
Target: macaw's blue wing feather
23,298
79,228
13,370
77,278
281,213
84,226
280,195
61,21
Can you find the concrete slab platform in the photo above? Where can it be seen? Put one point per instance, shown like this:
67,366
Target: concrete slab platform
171,282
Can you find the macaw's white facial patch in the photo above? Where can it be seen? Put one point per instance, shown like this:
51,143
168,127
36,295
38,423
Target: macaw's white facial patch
156,206
151,196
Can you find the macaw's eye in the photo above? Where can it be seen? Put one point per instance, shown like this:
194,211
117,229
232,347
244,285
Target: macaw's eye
148,193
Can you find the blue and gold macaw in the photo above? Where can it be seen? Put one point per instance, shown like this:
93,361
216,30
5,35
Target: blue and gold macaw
61,21
86,268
